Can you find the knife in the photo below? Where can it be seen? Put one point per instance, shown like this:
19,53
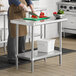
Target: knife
33,14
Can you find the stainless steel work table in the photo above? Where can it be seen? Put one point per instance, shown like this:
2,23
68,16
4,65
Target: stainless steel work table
30,55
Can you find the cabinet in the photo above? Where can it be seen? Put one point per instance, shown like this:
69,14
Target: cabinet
71,23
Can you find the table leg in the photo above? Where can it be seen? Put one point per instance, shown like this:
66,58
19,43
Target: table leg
44,30
32,52
29,34
41,31
4,35
64,34
17,46
60,38
29,31
45,37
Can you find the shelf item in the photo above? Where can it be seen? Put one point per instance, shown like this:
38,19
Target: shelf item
46,45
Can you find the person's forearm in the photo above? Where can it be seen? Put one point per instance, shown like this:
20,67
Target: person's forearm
31,7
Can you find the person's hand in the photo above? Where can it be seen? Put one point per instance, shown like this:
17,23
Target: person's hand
32,8
25,8
33,11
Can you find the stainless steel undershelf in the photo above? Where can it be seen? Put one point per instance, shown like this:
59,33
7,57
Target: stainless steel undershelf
41,55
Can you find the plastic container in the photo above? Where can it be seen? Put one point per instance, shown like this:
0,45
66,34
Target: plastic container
35,53
45,45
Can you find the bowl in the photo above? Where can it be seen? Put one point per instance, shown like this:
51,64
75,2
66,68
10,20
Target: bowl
58,16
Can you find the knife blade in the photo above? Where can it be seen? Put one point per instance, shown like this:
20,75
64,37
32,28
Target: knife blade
33,14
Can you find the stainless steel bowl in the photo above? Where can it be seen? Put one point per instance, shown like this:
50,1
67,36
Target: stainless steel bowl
58,16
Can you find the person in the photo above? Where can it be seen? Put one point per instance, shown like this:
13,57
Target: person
17,9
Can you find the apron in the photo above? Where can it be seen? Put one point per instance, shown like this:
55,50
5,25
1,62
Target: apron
16,12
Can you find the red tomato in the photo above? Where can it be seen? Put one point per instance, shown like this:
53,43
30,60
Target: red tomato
54,12
41,16
36,17
45,16
33,16
42,13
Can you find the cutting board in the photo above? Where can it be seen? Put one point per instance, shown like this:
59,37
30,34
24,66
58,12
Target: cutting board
36,19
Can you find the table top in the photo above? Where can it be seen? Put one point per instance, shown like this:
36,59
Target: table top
34,23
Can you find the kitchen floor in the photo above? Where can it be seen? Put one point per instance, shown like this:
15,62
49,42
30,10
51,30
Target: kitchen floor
51,67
